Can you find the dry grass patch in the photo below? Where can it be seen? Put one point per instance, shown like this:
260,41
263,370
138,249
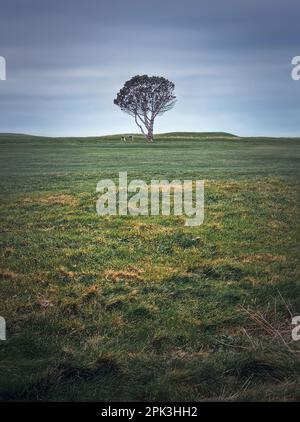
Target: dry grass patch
9,275
186,355
129,273
90,294
66,273
117,321
8,251
62,199
266,257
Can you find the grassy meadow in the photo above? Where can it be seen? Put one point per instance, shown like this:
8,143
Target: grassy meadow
144,308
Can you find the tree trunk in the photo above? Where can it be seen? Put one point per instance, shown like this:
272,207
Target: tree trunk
150,132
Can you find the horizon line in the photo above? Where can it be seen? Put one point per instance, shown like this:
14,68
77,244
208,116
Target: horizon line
142,136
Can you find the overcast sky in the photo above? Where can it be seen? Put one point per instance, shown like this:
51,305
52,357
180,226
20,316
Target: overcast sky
230,61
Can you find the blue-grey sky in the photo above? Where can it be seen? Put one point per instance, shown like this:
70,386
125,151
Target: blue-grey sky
230,61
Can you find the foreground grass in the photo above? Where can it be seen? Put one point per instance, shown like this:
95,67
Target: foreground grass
143,308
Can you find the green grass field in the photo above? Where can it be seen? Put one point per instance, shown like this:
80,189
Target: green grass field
144,308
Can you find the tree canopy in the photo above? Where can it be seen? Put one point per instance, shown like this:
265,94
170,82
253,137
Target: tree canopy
146,97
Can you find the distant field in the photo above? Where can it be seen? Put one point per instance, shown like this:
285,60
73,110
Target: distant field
143,308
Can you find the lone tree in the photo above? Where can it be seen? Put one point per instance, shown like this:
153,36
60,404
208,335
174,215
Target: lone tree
146,97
